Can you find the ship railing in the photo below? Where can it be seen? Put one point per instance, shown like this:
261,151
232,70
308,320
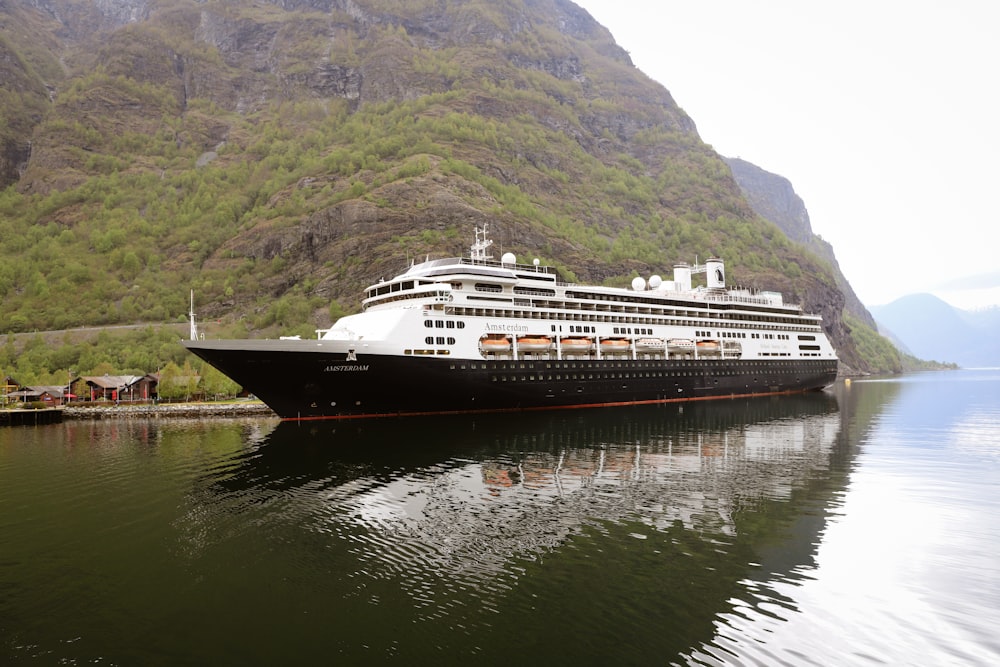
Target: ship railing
500,265
702,297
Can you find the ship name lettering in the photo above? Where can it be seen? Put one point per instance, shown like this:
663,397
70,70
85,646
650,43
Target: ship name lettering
506,328
335,369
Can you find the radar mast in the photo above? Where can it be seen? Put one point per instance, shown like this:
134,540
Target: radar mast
478,249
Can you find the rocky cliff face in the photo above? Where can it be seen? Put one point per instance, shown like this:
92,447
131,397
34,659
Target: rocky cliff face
773,198
526,113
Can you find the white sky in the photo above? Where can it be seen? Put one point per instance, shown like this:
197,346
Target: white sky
883,114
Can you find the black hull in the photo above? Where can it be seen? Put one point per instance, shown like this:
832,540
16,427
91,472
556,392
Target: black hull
314,384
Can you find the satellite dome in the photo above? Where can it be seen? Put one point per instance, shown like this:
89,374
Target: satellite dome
508,258
655,281
638,284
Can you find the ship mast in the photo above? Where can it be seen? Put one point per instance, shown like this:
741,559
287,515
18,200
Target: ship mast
194,327
478,249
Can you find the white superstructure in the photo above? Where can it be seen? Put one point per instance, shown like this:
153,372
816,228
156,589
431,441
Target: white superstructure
479,308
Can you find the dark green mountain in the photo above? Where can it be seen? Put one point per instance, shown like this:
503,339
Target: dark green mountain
276,157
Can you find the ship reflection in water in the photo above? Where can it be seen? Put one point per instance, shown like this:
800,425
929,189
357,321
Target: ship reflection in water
567,531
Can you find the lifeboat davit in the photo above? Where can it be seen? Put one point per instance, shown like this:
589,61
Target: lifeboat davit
534,343
576,344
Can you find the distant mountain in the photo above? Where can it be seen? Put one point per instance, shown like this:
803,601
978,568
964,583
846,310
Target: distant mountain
932,329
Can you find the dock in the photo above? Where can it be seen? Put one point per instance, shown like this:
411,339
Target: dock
30,417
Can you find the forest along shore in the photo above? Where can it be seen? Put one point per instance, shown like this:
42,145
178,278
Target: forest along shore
186,410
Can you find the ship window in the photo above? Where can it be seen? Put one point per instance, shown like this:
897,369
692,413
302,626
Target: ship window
439,324
461,325
429,340
450,324
451,341
428,323
440,340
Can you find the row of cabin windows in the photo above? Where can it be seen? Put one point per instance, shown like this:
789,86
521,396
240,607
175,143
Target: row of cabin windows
646,301
641,331
496,288
638,331
749,322
444,324
601,365
725,334
439,340
386,288
621,376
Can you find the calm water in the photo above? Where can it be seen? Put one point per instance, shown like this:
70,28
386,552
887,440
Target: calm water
855,527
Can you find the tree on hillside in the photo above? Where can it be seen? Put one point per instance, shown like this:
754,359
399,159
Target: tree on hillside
215,384
176,382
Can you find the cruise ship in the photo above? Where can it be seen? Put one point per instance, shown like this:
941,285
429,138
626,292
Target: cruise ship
473,334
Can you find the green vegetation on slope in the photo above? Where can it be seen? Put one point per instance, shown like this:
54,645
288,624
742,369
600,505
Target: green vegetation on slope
875,347
129,241
275,162
53,358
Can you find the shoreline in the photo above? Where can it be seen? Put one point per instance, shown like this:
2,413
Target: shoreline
186,410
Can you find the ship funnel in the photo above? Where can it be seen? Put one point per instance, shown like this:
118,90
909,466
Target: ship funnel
715,273
682,277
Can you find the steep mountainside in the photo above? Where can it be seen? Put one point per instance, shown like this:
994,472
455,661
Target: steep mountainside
276,157
773,198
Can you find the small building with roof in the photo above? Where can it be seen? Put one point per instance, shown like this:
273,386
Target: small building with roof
121,387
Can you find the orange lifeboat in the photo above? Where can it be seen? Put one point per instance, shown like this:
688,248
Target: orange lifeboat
614,346
576,344
494,343
708,347
534,343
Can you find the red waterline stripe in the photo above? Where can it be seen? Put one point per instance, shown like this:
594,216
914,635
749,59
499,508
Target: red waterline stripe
540,408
